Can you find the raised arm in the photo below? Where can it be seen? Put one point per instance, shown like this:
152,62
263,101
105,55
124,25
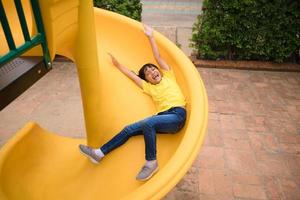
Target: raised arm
149,33
126,71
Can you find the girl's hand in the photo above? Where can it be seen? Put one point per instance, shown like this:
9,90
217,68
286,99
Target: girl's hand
126,71
148,30
114,60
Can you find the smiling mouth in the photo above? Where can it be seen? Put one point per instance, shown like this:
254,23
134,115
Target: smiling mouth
155,76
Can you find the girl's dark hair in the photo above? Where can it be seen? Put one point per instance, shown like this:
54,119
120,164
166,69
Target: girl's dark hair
143,69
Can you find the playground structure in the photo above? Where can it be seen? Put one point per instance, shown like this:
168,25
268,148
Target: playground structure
37,164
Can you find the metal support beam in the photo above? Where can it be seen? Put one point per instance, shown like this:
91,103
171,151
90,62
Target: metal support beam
22,20
6,28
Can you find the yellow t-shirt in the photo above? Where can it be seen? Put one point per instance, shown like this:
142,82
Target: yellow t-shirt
166,94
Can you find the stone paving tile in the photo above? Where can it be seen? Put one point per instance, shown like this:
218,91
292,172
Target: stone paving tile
212,158
249,191
186,7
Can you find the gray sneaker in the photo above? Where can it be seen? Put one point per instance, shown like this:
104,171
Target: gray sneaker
147,172
89,152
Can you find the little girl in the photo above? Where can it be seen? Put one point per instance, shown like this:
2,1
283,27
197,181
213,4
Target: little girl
161,85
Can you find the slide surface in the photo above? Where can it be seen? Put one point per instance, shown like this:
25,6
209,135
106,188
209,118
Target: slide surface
38,164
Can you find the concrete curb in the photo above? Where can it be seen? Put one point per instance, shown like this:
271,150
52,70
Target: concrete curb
246,65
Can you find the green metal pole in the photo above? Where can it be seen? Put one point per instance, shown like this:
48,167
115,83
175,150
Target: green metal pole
6,28
40,28
22,20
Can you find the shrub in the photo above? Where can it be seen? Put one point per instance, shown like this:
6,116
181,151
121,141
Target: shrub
248,29
129,8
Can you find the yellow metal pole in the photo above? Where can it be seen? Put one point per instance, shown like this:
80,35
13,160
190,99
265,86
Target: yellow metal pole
88,69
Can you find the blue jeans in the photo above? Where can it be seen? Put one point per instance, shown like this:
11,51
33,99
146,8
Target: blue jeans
170,121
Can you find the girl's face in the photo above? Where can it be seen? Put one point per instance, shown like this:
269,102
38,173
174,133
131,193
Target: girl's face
153,75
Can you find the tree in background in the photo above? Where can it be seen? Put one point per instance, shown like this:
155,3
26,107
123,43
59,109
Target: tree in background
129,8
248,29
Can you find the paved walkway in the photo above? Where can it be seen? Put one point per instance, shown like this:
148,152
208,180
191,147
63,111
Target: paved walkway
252,147
173,18
178,13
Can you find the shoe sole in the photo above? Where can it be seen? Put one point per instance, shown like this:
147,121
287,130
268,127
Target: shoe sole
148,177
90,157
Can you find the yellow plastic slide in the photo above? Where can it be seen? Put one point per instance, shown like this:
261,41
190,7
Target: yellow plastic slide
37,164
